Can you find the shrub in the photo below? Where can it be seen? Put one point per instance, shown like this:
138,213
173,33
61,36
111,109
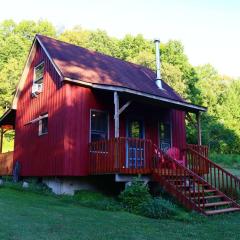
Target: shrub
158,208
135,195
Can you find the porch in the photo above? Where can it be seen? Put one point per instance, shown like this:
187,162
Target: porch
142,131
141,156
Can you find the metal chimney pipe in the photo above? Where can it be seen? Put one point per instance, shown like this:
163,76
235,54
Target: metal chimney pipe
158,64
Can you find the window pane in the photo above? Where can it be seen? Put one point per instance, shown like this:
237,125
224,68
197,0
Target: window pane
135,129
165,136
45,125
99,125
39,72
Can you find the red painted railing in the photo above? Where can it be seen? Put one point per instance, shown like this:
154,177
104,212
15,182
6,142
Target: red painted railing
201,149
213,173
141,156
122,155
189,188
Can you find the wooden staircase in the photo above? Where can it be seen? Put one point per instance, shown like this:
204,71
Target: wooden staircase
192,189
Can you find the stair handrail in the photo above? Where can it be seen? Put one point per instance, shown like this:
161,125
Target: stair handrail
210,164
200,205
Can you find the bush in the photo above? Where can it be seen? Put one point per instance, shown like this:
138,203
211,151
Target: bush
135,195
158,208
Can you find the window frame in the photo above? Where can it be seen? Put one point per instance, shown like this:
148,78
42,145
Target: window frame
34,74
90,128
135,118
170,125
40,124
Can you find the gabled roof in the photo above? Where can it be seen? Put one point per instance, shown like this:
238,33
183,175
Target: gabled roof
81,64
97,70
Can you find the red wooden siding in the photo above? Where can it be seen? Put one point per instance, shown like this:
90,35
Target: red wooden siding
178,129
41,155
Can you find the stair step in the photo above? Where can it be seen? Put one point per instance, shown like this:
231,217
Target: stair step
190,185
215,204
210,197
213,196
186,186
200,192
225,210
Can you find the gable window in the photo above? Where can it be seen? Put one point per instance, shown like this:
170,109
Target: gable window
43,125
99,125
165,136
38,79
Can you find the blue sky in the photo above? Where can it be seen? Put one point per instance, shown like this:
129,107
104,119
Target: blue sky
209,29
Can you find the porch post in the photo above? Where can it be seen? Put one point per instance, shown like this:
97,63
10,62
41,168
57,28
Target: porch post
116,114
198,115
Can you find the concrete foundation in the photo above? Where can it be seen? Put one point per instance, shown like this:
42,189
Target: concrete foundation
68,185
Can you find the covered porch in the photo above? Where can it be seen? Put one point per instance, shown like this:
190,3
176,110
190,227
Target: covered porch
140,148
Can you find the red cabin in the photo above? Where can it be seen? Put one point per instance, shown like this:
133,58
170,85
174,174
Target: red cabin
79,113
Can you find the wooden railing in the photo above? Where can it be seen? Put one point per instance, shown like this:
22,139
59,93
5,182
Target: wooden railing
6,163
213,173
122,155
188,187
201,149
189,184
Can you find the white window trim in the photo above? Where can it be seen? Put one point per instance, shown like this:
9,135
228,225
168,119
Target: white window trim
40,133
90,126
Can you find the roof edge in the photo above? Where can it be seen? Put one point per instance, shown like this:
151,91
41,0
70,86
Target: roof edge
139,93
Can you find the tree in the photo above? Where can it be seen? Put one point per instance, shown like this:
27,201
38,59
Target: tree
173,76
210,86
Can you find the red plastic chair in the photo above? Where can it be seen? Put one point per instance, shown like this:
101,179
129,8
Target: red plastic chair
176,155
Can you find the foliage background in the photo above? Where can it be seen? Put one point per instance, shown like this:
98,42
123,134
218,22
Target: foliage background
201,84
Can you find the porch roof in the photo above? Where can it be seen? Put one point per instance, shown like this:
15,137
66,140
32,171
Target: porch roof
7,120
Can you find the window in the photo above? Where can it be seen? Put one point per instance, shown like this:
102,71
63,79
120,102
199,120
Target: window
165,139
135,129
38,73
43,125
38,79
99,125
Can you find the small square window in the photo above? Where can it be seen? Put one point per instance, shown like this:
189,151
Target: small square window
43,125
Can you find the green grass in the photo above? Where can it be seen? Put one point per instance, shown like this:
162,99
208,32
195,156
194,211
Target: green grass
27,215
226,160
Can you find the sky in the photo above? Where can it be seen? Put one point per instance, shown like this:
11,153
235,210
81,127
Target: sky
208,29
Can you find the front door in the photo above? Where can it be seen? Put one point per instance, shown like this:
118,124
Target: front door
135,143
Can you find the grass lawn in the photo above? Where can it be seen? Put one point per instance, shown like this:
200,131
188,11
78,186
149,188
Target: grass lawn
226,160
27,215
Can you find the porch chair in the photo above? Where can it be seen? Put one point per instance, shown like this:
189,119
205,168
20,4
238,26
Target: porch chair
175,153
